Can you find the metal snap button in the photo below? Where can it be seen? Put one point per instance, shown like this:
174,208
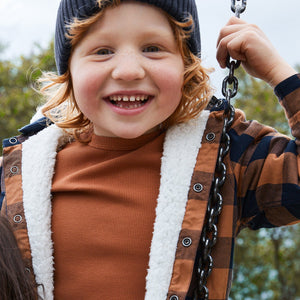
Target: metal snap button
219,103
210,137
198,187
18,219
14,170
174,297
187,241
13,140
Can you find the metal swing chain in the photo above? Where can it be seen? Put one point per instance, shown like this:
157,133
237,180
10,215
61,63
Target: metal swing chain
214,207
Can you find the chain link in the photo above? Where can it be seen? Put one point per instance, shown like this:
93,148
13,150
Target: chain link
215,202
238,7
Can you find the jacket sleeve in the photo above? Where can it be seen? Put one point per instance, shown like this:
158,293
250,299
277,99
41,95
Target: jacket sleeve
266,165
25,133
1,184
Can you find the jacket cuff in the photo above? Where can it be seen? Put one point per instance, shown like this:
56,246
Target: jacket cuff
287,86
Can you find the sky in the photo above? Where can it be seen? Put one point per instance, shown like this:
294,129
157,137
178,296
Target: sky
25,22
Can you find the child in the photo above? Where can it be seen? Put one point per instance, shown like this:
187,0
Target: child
15,282
109,202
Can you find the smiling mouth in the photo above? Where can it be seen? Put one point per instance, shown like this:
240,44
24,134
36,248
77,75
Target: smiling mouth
129,102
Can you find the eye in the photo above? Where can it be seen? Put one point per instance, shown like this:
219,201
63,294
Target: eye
104,51
152,49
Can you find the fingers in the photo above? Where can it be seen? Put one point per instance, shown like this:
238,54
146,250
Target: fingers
235,20
247,43
236,39
232,25
230,45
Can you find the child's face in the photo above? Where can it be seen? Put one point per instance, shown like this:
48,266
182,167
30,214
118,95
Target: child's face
127,71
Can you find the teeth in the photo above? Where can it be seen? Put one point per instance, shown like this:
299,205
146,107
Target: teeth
130,106
128,98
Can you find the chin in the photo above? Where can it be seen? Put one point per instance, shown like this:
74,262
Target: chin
132,134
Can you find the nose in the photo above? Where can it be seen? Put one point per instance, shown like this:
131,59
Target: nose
128,67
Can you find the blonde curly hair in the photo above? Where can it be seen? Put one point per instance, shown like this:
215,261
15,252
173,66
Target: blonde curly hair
62,109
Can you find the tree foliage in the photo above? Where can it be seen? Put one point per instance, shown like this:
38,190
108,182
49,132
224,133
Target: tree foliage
267,262
18,100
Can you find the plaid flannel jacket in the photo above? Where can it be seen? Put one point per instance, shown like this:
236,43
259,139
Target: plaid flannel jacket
261,190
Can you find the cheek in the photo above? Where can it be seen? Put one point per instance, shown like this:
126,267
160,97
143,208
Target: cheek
171,87
81,97
173,83
85,89
170,78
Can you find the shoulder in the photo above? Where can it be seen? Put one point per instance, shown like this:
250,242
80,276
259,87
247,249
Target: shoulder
218,107
27,131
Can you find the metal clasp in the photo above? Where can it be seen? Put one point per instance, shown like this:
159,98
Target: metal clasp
238,7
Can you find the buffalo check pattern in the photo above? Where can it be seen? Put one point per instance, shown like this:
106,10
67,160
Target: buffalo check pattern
261,190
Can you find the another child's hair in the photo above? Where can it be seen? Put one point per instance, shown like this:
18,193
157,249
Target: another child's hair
15,281
61,106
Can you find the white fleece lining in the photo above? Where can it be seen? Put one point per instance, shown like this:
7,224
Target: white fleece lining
181,147
38,161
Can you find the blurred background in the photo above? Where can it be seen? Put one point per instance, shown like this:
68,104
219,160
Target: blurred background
24,23
267,262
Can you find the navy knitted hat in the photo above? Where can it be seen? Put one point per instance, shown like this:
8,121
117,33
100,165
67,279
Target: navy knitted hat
82,9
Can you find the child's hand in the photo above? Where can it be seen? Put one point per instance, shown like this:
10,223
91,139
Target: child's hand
246,42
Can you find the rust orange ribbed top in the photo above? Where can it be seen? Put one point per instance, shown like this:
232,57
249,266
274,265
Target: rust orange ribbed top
104,199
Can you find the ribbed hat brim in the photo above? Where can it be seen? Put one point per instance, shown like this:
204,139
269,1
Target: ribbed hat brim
70,9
